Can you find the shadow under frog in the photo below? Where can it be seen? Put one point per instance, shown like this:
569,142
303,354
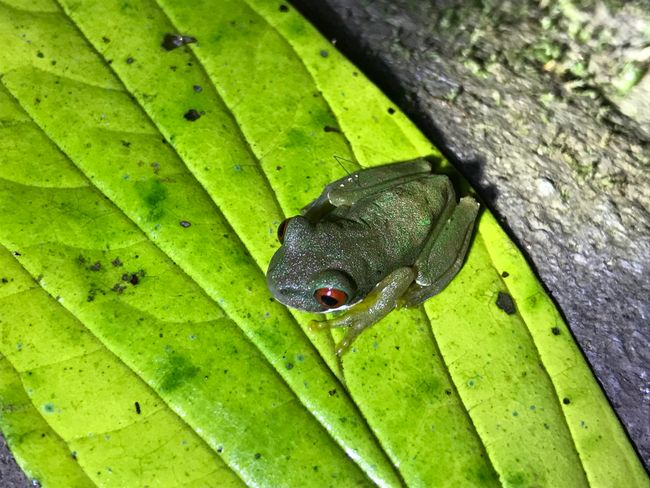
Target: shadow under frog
378,237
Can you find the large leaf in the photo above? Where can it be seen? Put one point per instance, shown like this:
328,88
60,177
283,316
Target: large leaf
140,345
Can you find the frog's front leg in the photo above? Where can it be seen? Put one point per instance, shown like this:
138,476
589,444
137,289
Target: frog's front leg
443,254
375,306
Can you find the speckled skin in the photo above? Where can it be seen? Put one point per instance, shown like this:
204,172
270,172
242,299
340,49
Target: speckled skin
368,225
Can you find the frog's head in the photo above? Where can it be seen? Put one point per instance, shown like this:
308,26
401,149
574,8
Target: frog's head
307,272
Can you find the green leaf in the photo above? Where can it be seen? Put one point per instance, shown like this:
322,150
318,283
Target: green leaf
136,328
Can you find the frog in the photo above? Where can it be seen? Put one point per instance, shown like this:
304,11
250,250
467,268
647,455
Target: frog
380,238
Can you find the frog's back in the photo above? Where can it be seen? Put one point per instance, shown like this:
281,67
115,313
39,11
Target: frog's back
395,223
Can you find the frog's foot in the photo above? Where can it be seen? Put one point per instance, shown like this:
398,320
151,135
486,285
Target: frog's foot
379,302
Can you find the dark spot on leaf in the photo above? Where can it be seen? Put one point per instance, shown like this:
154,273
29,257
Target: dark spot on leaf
153,193
156,167
5,280
106,39
90,298
16,253
391,110
137,408
116,262
289,365
197,88
37,101
257,455
448,391
96,266
505,274
566,401
74,455
324,53
126,143
40,54
555,331
220,449
129,60
329,128
118,288
192,115
278,168
173,41
332,392
134,279
185,223
176,371
284,8
505,303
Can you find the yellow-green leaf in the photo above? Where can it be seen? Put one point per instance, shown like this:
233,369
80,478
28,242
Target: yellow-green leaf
140,190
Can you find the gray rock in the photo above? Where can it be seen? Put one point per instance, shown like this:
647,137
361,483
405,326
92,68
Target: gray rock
524,98
11,475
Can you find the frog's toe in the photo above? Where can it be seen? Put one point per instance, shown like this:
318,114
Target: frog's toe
319,325
344,346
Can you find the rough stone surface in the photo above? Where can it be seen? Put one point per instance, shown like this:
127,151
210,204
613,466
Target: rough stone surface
528,100
11,475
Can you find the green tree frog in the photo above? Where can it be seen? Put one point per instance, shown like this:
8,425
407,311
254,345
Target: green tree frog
375,238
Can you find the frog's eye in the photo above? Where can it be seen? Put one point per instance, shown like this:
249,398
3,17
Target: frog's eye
331,297
282,228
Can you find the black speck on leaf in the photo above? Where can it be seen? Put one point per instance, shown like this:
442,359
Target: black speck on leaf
5,280
555,331
324,53
505,303
192,115
96,266
505,274
118,288
137,408
173,41
40,55
197,88
329,128
129,60
106,39
391,110
185,223
257,455
116,262
566,401
126,143
284,8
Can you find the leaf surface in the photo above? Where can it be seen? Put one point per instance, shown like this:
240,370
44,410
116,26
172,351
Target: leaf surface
141,188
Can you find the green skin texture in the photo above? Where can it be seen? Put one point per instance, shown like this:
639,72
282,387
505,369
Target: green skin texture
381,235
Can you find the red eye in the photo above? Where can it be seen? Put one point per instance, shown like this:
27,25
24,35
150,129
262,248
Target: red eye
282,228
330,297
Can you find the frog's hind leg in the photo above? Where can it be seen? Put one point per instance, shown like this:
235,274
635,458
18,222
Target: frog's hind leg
443,254
360,184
